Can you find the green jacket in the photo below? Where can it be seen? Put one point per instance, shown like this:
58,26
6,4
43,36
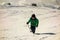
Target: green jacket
33,22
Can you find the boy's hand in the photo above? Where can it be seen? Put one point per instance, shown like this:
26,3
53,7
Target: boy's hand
27,23
37,26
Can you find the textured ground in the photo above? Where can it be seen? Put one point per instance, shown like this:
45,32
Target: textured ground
13,23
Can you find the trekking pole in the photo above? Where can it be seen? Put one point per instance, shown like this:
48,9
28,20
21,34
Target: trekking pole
28,27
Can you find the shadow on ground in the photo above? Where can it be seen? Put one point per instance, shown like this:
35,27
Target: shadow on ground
45,33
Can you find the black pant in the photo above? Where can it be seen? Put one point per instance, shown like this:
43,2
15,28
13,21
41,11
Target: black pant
33,29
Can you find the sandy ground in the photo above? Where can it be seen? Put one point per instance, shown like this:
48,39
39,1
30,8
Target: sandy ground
13,23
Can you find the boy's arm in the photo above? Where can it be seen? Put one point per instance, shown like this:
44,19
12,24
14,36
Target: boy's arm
29,21
37,22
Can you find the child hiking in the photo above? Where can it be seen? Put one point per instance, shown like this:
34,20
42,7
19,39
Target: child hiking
34,23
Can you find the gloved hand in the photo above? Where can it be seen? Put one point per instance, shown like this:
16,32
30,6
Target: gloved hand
37,26
27,23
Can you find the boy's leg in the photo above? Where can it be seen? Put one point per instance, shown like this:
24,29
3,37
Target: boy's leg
33,28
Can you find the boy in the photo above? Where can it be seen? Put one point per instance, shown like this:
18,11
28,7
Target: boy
34,23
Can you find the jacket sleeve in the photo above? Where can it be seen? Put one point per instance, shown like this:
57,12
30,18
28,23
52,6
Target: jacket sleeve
37,22
29,21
